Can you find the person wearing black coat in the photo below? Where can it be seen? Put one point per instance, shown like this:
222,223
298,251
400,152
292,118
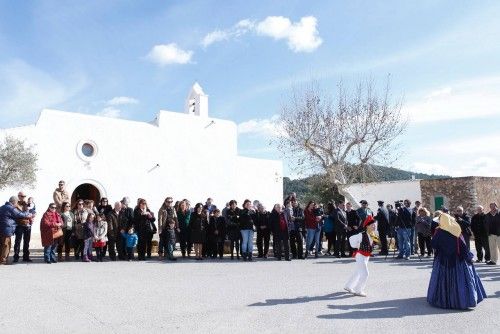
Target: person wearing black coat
383,226
263,231
353,222
125,222
211,236
197,229
278,221
340,225
296,241
247,222
406,223
220,231
480,231
463,219
145,228
233,228
104,207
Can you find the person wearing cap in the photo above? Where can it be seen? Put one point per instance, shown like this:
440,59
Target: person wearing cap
383,226
60,195
23,230
454,283
364,211
363,245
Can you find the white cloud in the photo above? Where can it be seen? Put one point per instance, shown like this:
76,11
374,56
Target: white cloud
166,54
26,90
119,100
446,91
110,112
474,98
429,168
266,127
215,36
239,29
464,156
302,36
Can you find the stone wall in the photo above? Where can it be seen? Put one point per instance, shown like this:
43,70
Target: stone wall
465,191
455,191
487,191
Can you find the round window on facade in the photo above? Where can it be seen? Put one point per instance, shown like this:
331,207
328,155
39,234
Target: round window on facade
88,150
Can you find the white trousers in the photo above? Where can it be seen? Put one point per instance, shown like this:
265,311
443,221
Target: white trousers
358,279
494,242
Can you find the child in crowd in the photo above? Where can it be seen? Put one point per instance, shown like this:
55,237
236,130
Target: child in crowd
170,238
88,234
100,239
31,206
130,242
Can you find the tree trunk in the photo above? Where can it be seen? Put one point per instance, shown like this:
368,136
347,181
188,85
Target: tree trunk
342,189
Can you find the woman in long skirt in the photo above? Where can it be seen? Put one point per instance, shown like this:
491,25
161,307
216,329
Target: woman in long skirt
454,283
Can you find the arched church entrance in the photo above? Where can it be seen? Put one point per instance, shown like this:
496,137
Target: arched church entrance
85,191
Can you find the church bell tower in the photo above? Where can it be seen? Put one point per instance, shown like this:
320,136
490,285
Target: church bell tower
197,102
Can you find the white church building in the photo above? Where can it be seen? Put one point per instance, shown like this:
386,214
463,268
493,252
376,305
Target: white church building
183,155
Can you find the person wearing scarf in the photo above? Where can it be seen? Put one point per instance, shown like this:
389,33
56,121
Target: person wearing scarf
454,283
51,222
363,245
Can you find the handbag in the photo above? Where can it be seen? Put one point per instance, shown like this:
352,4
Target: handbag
57,234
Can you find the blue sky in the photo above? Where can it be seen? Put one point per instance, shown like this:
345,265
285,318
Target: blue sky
130,59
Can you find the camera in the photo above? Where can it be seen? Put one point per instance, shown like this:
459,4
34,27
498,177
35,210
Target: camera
398,204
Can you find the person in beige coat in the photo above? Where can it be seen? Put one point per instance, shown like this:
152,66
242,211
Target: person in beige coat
61,195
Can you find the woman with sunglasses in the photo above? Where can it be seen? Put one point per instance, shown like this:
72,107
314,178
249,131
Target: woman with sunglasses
50,224
104,207
145,228
80,214
68,219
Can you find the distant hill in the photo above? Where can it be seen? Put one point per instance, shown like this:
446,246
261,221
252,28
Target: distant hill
312,187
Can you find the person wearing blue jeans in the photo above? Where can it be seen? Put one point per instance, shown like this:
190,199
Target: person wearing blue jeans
49,253
404,242
406,224
247,221
312,239
247,244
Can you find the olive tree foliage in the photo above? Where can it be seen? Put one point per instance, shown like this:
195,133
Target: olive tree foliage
18,163
341,136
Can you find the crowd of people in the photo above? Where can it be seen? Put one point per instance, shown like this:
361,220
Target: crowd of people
125,232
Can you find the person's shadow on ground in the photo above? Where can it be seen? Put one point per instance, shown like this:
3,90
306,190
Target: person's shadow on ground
396,308
302,299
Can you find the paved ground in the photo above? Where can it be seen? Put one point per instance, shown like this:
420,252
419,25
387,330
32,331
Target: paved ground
232,297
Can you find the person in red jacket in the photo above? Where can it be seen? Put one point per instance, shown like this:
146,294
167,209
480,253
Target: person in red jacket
50,230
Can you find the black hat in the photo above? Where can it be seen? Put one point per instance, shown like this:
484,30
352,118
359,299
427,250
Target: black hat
363,202
380,202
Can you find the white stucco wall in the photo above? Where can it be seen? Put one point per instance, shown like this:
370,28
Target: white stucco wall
197,158
389,192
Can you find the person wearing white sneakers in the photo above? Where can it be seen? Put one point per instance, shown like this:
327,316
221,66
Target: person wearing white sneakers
363,243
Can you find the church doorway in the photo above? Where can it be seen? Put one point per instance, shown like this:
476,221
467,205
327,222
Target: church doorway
85,191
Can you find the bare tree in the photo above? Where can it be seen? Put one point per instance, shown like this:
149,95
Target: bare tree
342,136
18,163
